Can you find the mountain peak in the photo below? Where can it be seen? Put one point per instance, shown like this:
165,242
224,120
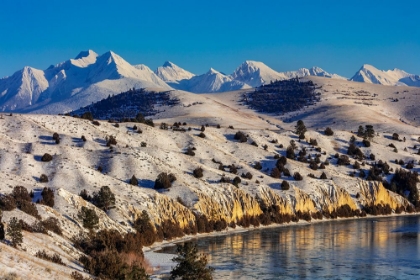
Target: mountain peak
212,72
88,53
168,64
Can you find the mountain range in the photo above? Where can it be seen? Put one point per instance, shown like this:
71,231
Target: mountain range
90,77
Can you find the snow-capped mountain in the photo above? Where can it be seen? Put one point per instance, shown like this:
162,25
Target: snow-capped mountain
212,81
254,74
170,72
314,71
396,77
74,83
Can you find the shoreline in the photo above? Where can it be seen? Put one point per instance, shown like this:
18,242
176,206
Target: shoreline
161,263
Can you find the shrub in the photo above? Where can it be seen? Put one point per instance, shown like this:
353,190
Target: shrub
134,181
275,173
202,135
43,178
52,224
366,142
323,176
286,172
110,140
248,175
233,169
240,136
47,197
297,176
7,202
190,152
282,160
236,181
258,165
285,185
202,129
30,209
343,160
395,136
83,138
89,218
96,123
143,144
46,157
85,195
198,172
55,136
372,157
163,126
290,153
328,131
313,166
313,142
53,258
164,181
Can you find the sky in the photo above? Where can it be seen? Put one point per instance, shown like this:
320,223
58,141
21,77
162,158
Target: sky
338,36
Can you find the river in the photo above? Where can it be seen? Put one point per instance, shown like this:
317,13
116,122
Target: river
372,248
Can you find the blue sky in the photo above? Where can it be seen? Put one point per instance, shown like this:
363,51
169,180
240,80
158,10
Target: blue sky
338,36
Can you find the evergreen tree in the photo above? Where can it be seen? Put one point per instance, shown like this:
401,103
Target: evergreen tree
370,132
14,230
104,199
89,218
134,181
190,265
300,129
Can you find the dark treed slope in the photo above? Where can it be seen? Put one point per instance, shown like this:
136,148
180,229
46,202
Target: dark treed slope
129,104
282,96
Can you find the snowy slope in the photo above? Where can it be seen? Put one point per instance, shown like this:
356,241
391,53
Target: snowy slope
74,83
170,72
396,77
212,81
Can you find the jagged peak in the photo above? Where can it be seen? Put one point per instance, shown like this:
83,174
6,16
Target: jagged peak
168,64
212,72
88,53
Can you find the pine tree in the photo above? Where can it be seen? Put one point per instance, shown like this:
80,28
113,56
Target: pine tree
134,181
14,230
89,218
300,129
104,199
190,265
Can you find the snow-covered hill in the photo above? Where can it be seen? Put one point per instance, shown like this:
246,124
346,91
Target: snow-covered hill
396,77
75,165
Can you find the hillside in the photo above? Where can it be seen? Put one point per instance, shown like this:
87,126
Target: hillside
258,198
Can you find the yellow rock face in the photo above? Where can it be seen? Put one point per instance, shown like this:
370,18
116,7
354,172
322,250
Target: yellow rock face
332,197
374,193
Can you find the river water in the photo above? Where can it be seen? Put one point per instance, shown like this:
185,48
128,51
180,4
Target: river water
373,248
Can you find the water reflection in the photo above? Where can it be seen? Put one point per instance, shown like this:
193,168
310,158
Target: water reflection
380,248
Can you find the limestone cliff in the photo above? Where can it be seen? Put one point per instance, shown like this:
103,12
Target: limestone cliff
374,193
